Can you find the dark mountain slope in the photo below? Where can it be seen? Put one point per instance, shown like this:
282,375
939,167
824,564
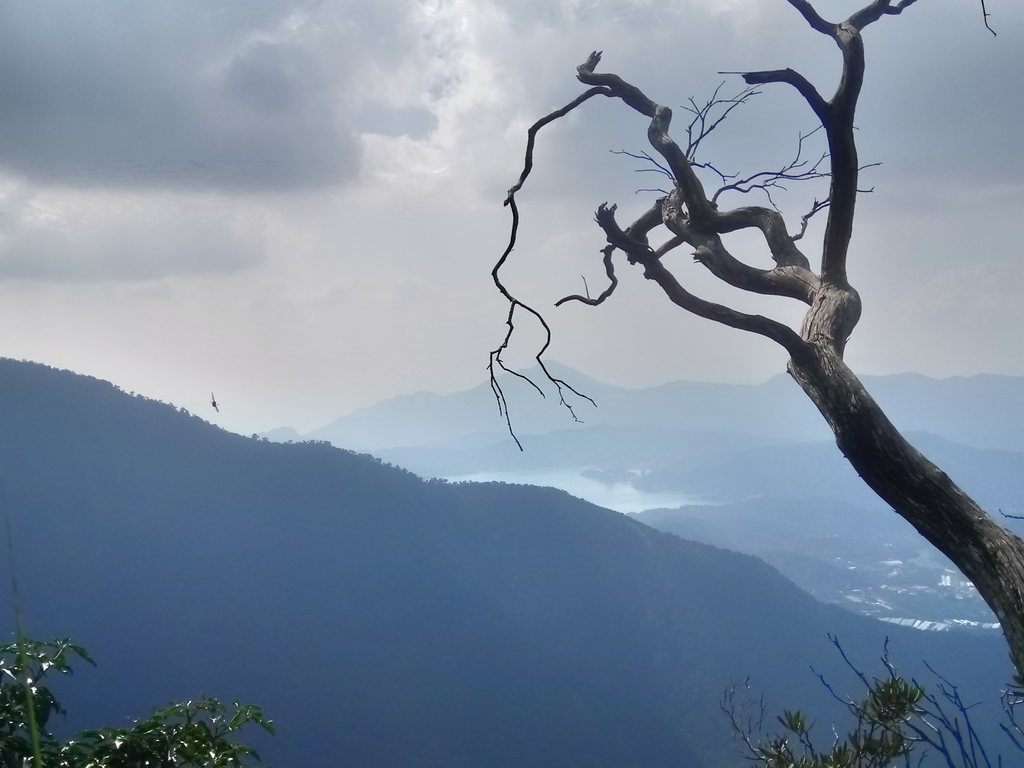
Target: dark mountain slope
384,621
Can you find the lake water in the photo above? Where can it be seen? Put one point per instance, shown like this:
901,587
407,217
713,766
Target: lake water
621,497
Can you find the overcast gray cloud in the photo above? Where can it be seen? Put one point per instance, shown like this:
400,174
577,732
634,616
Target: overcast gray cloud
322,181
53,236
242,94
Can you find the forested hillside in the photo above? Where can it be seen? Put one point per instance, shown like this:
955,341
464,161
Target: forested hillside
383,620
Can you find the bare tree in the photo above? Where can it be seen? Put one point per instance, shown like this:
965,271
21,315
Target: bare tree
988,554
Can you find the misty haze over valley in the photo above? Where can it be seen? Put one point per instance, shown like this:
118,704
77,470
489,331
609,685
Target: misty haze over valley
748,468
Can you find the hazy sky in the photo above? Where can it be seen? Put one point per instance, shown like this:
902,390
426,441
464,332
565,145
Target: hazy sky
297,204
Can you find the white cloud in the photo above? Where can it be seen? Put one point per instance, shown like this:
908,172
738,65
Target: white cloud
72,235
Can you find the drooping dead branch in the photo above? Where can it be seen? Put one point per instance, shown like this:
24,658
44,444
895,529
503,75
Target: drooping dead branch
531,140
495,360
495,357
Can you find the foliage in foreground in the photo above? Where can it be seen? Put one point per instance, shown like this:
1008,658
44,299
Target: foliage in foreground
193,733
897,723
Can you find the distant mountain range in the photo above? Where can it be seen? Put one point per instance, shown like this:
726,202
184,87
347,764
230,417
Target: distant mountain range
982,411
381,619
762,449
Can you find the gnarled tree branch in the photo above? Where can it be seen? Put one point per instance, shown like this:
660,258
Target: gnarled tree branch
639,252
793,78
613,282
657,133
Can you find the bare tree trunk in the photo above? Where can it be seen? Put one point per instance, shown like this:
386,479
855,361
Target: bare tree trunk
988,554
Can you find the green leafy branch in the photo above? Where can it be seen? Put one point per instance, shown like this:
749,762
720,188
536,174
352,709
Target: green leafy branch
191,734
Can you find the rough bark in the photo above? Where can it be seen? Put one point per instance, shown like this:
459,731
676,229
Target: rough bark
985,552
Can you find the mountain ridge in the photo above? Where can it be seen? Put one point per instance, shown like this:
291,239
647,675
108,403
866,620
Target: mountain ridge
986,410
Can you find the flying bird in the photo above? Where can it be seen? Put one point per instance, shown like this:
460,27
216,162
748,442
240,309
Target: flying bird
213,402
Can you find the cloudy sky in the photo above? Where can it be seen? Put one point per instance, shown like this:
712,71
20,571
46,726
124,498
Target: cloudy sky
297,204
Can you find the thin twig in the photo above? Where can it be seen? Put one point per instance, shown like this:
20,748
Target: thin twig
984,15
703,124
658,167
796,169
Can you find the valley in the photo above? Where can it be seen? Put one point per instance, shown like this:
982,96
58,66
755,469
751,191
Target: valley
742,468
